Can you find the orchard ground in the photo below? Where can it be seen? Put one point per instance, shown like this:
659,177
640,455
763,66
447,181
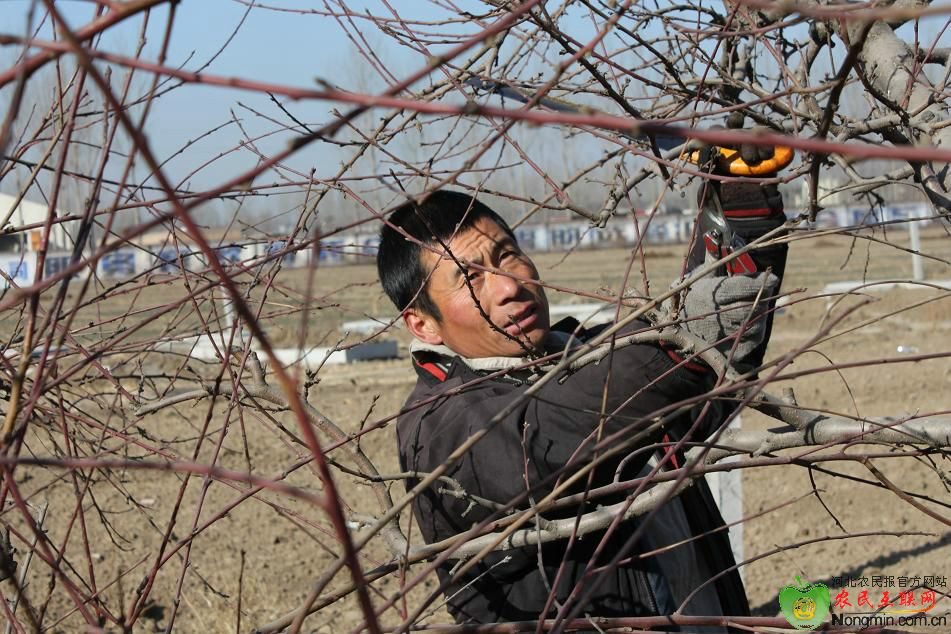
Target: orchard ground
266,551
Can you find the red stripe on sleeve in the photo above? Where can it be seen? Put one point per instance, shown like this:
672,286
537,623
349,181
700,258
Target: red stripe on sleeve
680,361
747,213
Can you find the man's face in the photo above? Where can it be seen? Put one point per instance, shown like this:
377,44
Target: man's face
518,308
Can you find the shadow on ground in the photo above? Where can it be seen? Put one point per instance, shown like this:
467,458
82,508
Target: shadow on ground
771,608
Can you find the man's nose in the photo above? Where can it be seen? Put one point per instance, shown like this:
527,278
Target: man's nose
504,287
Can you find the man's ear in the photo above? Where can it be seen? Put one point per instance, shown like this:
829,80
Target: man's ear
422,326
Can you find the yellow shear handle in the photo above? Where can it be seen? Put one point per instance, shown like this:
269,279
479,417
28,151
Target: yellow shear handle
731,161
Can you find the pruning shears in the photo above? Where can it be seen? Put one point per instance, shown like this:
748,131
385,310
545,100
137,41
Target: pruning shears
720,241
728,160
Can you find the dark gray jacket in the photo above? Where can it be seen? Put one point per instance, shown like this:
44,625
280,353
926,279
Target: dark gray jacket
543,440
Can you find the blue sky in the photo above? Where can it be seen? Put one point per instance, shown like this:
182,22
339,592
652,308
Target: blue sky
275,47
278,47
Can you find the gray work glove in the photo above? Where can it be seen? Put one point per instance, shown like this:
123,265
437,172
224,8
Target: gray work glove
718,307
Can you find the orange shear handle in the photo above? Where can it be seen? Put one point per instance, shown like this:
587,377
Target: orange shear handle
731,161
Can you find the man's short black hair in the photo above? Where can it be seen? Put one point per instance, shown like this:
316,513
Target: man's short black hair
438,218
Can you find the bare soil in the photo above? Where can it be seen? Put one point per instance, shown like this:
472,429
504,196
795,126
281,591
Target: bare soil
265,553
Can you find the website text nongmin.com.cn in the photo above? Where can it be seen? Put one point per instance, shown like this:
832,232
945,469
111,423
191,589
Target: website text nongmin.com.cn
890,620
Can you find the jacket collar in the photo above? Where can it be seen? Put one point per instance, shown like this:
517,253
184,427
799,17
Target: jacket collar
438,360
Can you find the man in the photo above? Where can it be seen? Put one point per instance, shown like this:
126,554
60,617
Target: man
472,300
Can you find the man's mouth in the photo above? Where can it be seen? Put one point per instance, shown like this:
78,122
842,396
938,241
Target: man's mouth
522,321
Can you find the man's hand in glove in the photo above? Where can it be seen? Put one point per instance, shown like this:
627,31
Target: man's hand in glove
717,309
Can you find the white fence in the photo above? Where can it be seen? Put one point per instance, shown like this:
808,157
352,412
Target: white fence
563,236
361,248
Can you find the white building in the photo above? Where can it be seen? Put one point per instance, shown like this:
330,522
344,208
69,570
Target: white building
28,213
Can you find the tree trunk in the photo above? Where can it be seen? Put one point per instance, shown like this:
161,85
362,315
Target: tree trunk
898,82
